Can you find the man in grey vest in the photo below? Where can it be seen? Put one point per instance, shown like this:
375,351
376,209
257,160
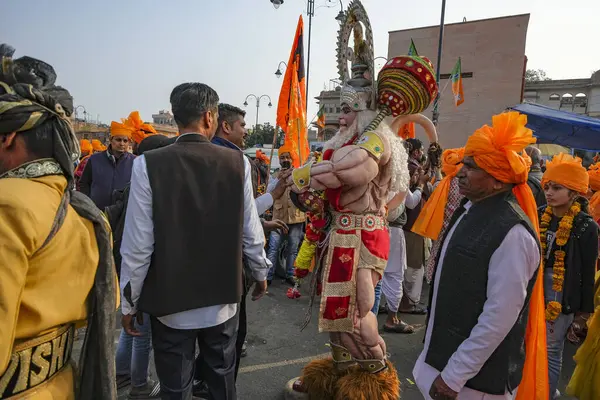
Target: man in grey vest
484,277
190,217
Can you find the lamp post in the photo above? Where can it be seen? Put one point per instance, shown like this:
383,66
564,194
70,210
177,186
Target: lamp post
77,108
278,73
310,11
257,104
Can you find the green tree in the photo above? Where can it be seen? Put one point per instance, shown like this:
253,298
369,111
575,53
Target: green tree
536,75
263,134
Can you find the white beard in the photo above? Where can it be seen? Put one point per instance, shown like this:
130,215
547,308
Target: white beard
399,157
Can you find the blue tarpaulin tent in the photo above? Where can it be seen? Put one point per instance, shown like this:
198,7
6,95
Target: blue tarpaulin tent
561,127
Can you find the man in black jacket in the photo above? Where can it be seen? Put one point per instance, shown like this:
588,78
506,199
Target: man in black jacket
485,274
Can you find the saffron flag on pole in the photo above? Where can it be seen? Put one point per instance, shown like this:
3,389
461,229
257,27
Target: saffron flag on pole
457,85
321,117
291,108
407,131
412,50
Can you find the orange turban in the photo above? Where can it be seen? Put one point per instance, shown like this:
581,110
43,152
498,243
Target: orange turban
499,150
594,206
262,157
86,146
132,127
97,145
594,174
567,171
431,218
292,149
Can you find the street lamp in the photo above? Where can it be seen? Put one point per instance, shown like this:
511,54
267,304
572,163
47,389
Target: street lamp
76,108
278,73
310,11
258,100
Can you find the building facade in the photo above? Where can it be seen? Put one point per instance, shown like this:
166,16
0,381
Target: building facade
330,101
492,53
164,117
580,96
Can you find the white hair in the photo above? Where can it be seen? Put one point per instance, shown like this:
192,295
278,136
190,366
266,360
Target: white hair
399,157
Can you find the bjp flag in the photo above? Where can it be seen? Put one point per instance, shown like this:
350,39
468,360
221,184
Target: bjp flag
457,85
291,109
321,117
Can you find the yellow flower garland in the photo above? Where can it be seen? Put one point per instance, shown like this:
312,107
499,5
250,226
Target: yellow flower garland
565,226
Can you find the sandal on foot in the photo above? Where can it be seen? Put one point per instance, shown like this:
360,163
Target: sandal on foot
402,327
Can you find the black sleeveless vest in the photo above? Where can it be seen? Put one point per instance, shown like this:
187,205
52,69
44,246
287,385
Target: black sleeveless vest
198,214
462,293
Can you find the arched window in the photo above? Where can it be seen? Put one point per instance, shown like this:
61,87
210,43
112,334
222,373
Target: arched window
580,96
554,96
566,98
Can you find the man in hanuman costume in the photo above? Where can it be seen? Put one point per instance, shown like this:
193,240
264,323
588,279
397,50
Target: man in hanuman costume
363,174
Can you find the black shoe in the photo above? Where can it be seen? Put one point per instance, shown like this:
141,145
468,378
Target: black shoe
290,281
200,389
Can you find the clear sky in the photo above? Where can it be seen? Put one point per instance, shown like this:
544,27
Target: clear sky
116,56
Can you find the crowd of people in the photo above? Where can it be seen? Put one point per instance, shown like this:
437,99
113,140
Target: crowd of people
175,231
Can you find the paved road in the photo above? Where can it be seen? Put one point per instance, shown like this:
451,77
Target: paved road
277,349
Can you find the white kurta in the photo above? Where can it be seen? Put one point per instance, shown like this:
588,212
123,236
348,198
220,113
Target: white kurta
391,283
511,267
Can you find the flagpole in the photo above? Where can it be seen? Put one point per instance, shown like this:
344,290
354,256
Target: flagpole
436,113
272,151
310,12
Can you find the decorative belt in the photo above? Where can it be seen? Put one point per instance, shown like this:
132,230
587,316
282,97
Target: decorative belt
368,222
35,361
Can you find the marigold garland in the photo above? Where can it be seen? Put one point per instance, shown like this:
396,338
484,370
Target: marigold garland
565,226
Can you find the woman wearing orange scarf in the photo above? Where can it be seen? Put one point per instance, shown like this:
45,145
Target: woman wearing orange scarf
569,240
487,302
435,216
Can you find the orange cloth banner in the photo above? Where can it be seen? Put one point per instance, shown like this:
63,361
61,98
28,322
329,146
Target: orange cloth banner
291,108
431,218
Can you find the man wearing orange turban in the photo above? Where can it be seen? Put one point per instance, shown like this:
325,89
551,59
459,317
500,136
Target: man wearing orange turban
109,170
284,210
487,299
594,176
569,238
435,217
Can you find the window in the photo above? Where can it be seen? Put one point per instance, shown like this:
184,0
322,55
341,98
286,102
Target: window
338,110
554,96
580,96
566,98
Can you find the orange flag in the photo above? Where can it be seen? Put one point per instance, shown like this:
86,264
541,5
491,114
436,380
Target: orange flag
291,109
407,131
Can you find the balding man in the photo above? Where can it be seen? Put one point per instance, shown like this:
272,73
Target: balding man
535,175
